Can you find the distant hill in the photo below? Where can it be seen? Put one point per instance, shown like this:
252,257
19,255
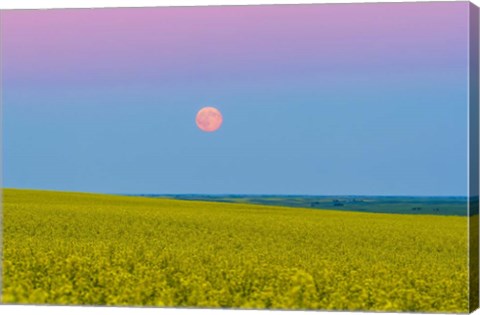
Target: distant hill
377,204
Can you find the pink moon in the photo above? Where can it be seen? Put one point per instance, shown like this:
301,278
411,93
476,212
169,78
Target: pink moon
209,119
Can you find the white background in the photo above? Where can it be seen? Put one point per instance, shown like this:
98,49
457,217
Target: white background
54,310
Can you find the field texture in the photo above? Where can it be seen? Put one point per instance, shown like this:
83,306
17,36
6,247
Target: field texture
73,248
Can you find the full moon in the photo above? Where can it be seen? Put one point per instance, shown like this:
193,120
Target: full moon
209,119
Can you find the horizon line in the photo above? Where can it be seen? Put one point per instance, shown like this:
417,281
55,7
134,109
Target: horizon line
242,194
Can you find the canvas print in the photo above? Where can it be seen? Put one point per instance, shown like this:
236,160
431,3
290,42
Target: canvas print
289,157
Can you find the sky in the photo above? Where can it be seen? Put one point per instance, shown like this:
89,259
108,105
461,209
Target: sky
341,99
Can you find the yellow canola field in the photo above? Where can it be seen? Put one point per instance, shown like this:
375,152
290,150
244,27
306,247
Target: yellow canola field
90,249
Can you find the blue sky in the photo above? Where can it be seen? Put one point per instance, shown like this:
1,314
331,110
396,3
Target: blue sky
384,115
